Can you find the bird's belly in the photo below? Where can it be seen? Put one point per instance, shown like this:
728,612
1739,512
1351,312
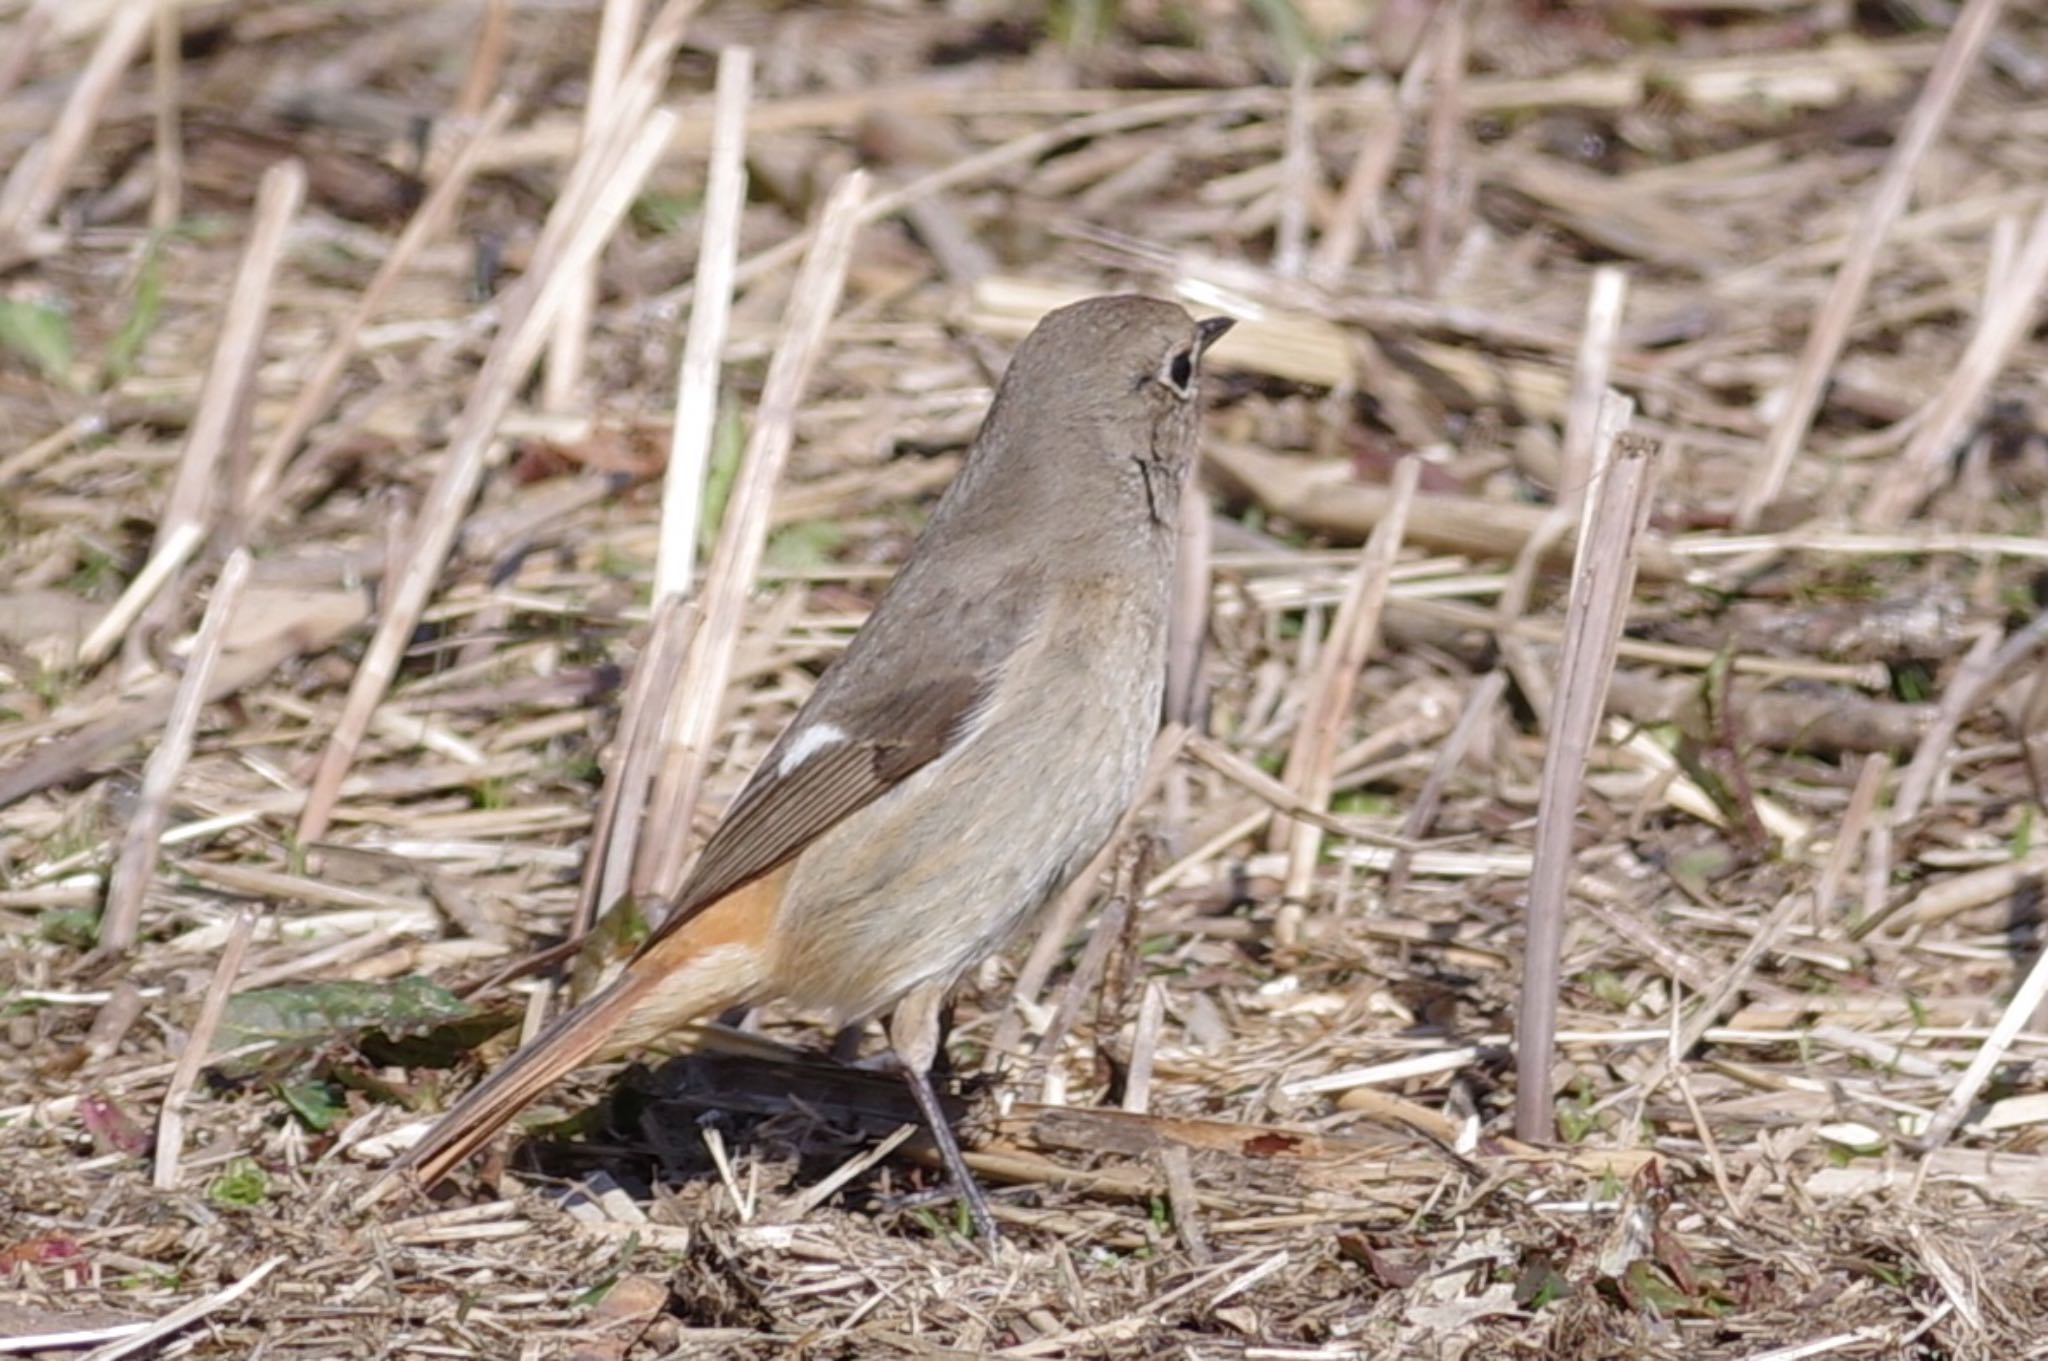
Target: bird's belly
931,879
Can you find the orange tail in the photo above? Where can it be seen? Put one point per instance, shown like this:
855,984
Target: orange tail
571,1041
716,959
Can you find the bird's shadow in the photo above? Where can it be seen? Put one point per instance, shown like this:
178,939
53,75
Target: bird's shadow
785,1117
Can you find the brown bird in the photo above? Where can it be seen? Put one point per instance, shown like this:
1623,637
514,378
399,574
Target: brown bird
963,759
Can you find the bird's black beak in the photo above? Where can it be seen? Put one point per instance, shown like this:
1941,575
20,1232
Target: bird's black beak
1211,331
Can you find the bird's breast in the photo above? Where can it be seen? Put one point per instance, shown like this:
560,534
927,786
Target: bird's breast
932,877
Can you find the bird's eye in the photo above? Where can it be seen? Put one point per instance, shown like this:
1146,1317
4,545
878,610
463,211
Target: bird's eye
1180,371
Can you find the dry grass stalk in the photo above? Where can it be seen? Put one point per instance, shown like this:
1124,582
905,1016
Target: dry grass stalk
317,389
1603,576
1441,138
614,830
114,1020
2033,725
2026,1001
1300,181
562,369
486,59
27,205
1604,303
1595,417
195,499
1852,280
1415,824
1674,1061
165,58
1017,151
1185,1201
1918,470
24,41
129,879
1398,1070
735,562
1861,675
26,460
1088,971
539,1003
1675,790
1311,758
185,1316
1282,799
1804,78
1358,202
1973,679
1511,607
812,1197
1824,1062
616,833
142,709
1841,542
69,1339
689,450
1144,1049
1870,777
175,544
1937,747
1855,820
170,1129
1325,499
586,214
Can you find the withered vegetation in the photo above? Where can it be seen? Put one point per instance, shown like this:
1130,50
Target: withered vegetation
334,696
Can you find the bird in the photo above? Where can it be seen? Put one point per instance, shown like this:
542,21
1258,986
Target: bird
963,759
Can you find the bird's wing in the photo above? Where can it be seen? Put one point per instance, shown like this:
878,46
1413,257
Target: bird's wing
904,693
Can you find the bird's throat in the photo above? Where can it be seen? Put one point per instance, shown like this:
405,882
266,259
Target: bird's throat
1162,489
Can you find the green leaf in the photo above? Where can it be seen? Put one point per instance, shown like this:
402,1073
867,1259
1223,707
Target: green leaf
242,1186
1290,32
310,1029
1611,988
1539,1283
727,443
313,1103
302,1011
664,214
38,333
1081,24
142,316
1650,1292
78,926
606,1283
808,543
619,930
440,1045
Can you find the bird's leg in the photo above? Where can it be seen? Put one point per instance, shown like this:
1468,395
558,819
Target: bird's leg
914,1035
846,1045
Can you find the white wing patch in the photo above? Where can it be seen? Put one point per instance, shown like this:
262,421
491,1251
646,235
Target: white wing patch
812,740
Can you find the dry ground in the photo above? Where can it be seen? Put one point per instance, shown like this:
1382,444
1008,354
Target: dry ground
1224,1119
